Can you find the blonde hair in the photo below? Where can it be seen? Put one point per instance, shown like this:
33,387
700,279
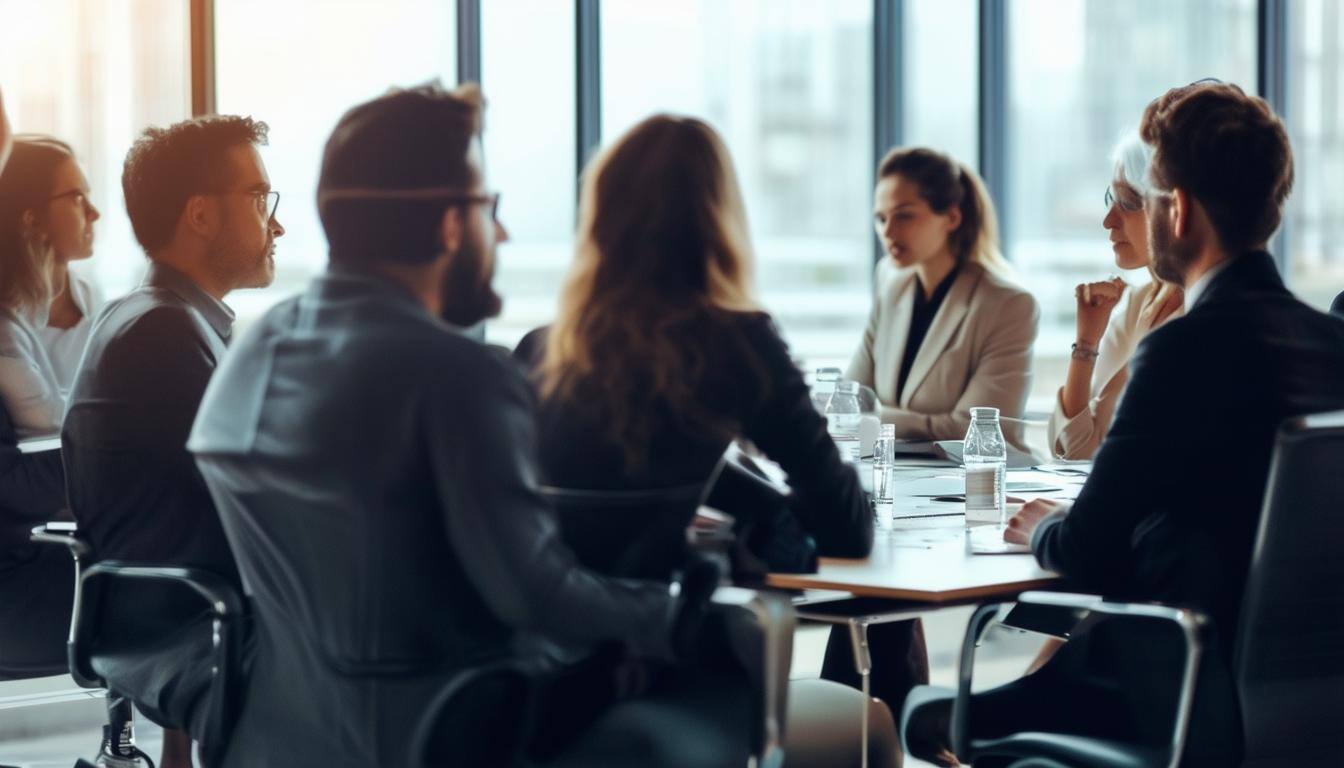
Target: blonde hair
944,184
661,245
25,188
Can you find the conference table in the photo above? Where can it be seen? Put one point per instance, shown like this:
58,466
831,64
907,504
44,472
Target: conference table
922,561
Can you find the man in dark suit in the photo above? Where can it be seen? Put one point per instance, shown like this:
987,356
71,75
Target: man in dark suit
375,468
1171,508
202,207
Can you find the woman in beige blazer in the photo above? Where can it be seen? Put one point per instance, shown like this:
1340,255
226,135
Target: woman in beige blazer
1112,318
949,330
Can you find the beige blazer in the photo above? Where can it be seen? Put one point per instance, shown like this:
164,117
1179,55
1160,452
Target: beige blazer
977,353
1080,436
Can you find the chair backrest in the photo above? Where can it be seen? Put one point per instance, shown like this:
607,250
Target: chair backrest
482,717
631,533
636,534
1289,658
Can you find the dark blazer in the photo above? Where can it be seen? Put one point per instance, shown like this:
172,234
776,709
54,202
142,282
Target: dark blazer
375,473
1171,509
132,485
748,379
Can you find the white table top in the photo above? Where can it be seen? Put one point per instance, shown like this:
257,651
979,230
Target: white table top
925,558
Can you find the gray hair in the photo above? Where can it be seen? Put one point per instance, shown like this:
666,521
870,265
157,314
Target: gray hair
1132,158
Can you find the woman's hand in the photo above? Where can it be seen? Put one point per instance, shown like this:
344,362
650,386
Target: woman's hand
1095,302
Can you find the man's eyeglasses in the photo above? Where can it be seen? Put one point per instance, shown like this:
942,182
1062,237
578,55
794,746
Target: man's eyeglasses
1130,203
265,202
491,199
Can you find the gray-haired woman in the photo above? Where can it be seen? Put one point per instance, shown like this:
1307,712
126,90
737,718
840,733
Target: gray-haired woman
1112,317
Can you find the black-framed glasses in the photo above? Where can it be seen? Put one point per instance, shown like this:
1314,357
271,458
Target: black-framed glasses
490,198
1127,203
266,202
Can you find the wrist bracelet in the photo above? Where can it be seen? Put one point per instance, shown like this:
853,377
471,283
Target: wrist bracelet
1083,352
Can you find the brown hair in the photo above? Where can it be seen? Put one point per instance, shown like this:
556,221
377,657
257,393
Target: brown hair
26,184
167,166
661,246
944,184
1229,151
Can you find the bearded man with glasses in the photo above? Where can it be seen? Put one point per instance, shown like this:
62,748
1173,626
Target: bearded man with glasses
201,205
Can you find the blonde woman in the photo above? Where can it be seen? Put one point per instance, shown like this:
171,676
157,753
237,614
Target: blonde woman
1111,318
44,209
948,330
660,356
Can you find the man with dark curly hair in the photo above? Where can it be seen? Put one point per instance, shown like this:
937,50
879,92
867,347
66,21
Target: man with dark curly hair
201,204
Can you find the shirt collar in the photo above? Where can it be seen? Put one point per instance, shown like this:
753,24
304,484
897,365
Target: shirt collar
1201,285
216,312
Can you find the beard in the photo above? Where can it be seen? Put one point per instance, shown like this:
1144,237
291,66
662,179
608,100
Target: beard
240,265
1170,258
468,296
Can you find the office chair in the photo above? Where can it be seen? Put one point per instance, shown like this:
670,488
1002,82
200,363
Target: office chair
102,646
1288,659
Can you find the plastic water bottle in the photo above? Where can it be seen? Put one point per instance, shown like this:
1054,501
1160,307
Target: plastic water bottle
985,454
842,419
823,386
884,454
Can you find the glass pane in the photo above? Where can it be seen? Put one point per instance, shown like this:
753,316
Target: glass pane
1080,74
529,153
95,74
941,90
300,70
789,85
1315,233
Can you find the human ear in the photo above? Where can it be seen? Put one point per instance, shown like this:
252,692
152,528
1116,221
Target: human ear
953,219
201,215
450,228
1180,212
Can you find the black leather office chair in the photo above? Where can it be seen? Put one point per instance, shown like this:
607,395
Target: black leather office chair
1289,654
1288,661
206,621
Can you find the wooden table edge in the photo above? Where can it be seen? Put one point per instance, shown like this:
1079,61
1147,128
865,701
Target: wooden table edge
811,581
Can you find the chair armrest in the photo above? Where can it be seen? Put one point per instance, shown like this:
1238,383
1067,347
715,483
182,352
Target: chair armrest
1193,625
63,533
759,628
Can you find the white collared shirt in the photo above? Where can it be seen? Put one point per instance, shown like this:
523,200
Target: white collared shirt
1193,293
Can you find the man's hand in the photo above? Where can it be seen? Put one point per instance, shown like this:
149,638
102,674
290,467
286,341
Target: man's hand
1023,524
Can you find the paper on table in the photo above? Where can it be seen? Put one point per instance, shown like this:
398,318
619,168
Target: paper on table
988,540
40,444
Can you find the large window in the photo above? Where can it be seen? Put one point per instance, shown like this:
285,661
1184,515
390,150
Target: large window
527,71
789,85
1081,73
1315,224
941,67
95,74
300,70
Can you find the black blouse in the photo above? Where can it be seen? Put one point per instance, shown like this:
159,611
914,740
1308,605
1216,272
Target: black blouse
925,310
750,379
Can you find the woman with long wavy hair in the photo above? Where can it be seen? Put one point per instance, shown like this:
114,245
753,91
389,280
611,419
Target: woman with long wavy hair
660,357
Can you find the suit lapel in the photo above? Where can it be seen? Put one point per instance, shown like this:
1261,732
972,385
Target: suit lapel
944,327
902,306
